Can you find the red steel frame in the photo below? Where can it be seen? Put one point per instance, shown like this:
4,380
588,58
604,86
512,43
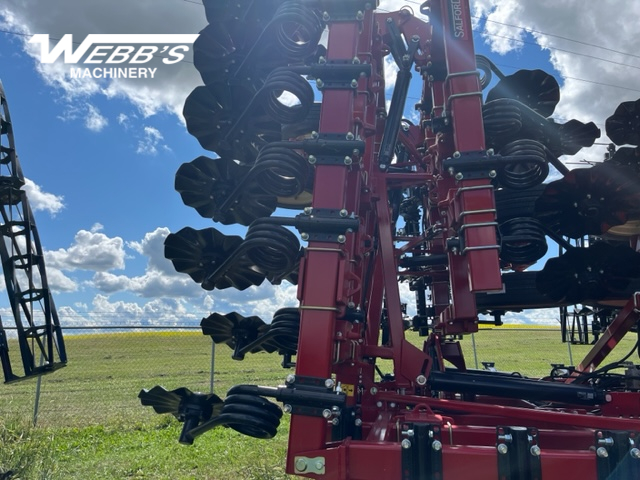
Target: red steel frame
333,275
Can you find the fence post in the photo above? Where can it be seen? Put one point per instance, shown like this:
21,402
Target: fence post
213,363
475,353
36,404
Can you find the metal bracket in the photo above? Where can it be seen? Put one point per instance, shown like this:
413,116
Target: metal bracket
345,10
305,465
333,149
421,452
617,455
518,453
326,225
472,165
339,74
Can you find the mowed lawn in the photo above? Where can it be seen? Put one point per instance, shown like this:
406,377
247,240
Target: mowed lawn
92,426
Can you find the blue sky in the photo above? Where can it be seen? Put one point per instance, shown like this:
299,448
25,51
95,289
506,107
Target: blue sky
103,156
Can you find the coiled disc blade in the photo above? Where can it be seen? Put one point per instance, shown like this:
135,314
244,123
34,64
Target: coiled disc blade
535,88
623,127
233,329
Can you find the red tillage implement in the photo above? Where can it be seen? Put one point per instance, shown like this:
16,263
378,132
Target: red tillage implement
454,205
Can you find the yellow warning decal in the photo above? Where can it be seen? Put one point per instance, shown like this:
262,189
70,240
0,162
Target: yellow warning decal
348,390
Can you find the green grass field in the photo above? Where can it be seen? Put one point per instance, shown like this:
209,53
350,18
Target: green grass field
92,426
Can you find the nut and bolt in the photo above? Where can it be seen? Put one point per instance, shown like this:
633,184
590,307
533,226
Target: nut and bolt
342,239
319,464
329,383
492,174
326,413
535,450
373,390
344,212
308,210
301,464
359,15
286,408
325,16
421,380
436,445
335,421
602,452
383,166
635,453
415,38
406,443
304,236
502,449
491,151
459,176
358,422
314,134
290,378
354,83
348,160
350,136
389,20
456,154
312,159
379,404
322,60
319,83
355,61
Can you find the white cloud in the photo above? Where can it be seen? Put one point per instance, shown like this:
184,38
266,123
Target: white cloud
90,251
390,72
159,279
94,121
151,141
59,282
41,200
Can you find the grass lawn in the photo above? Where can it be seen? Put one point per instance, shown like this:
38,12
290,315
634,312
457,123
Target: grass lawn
91,424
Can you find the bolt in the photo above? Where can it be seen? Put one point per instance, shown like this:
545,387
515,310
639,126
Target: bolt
287,408
588,196
492,174
344,212
602,452
354,83
319,83
322,60
356,152
308,210
359,15
304,236
348,160
392,405
355,61
451,171
389,20
406,443
342,239
379,404
291,378
358,422
350,136
301,464
312,159
491,152
459,176
535,450
383,166
326,413
319,464
329,383
415,38
456,154
436,445
314,134
373,390
421,380
335,421
502,449
443,213
635,453
325,16
406,58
